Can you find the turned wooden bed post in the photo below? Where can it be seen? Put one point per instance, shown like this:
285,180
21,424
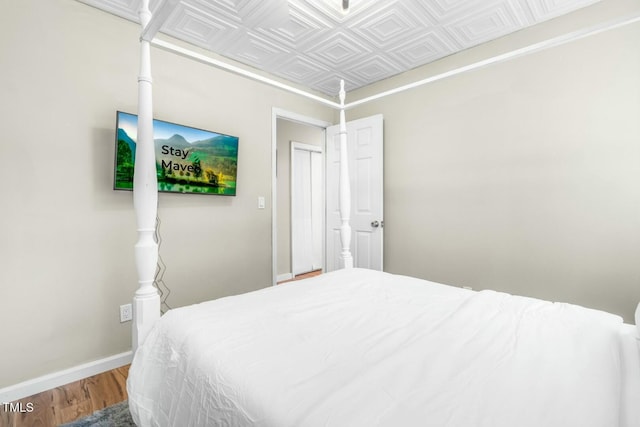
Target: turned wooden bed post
345,188
146,301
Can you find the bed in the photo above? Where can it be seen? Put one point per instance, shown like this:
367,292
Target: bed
357,347
364,348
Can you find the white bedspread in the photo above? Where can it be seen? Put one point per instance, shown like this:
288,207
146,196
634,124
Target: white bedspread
363,348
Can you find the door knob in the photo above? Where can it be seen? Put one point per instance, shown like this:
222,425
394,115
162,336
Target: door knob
375,224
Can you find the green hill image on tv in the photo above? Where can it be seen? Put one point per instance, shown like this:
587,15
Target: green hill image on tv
188,160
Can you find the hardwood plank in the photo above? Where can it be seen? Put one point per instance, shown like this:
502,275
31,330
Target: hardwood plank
69,402
303,276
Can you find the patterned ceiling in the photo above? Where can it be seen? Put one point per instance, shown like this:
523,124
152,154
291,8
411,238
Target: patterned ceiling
315,44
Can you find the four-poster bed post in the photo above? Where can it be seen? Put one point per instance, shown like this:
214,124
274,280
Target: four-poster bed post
146,301
345,188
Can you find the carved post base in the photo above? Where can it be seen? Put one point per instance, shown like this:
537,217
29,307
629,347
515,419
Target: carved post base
146,310
347,260
637,315
345,237
146,301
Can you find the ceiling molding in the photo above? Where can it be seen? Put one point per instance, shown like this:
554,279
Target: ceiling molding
517,53
240,71
533,48
314,43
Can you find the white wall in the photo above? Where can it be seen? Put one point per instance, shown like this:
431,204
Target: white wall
523,176
66,238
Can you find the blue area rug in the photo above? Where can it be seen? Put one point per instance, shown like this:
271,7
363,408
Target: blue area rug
117,415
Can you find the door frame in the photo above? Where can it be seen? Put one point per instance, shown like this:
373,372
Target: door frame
279,113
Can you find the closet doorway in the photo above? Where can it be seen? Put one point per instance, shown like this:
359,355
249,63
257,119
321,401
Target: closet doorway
299,201
307,208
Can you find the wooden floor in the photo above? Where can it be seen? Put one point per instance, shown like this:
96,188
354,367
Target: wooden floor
303,276
70,402
79,399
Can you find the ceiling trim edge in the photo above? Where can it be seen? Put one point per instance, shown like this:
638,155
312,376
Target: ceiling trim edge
241,71
533,48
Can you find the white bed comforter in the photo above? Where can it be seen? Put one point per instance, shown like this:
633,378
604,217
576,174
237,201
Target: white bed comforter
363,348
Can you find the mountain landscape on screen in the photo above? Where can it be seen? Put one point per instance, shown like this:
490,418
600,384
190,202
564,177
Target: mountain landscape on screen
188,160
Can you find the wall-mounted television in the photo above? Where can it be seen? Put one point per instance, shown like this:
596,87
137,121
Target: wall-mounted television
188,160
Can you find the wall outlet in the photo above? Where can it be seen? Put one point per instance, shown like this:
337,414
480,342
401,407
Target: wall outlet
126,313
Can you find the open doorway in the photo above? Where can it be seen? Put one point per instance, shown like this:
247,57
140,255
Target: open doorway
289,130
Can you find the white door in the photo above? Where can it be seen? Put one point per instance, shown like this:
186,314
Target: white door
365,147
307,207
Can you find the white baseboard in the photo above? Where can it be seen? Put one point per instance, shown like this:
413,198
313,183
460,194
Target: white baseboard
57,379
283,277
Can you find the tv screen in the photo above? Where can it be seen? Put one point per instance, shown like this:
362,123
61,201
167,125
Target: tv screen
188,160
